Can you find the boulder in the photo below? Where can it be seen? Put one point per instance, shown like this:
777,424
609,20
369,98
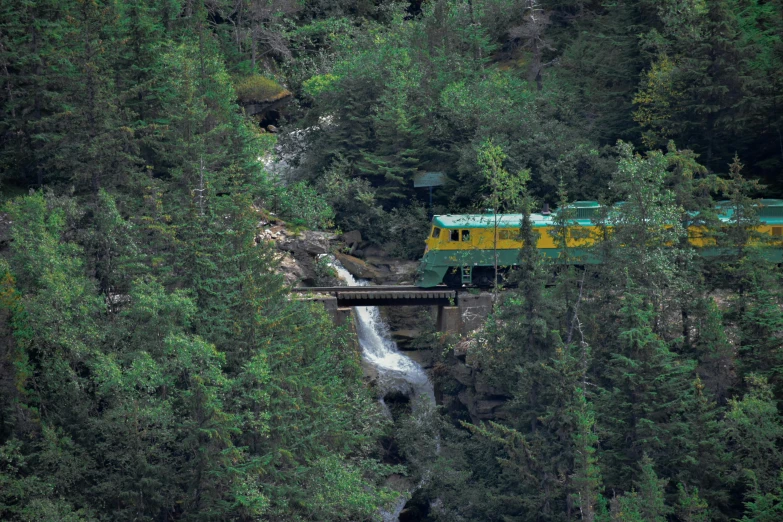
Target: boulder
310,243
375,251
485,389
307,263
463,374
423,357
276,233
398,272
406,334
357,267
403,271
485,409
292,272
369,373
354,236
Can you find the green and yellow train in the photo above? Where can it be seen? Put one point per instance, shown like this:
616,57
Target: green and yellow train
461,247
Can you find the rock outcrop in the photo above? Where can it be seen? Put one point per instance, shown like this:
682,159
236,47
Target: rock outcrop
298,252
466,389
298,262
358,268
260,95
292,271
308,243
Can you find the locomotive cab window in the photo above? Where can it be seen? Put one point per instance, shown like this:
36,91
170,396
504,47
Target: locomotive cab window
505,234
466,235
435,232
777,231
455,235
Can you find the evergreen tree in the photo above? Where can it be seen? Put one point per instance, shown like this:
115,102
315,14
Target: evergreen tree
703,459
646,502
763,507
754,432
646,387
691,508
586,480
714,352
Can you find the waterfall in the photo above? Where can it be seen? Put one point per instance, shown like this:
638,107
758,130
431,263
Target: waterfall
396,371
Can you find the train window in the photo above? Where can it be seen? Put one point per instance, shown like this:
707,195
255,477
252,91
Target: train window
777,231
466,235
505,234
455,235
435,232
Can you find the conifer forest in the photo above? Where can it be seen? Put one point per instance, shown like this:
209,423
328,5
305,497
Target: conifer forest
171,169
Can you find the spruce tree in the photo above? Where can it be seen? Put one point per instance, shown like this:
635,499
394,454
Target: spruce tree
646,501
646,387
754,432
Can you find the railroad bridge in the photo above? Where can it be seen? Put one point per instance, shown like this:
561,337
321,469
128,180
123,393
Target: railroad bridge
455,311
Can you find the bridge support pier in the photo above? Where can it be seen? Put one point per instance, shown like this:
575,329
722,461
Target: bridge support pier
448,320
343,316
469,314
473,310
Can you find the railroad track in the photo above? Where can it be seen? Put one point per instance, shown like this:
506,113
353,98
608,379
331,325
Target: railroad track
382,295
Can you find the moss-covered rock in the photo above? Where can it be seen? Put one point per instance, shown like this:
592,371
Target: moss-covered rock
260,89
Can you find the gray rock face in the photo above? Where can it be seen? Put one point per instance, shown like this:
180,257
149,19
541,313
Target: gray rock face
463,374
425,358
298,260
485,389
396,272
291,270
357,267
485,409
483,401
405,334
354,236
308,243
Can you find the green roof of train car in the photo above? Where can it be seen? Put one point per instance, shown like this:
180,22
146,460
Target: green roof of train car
770,212
488,220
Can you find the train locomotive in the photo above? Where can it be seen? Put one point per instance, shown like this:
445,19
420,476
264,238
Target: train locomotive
461,248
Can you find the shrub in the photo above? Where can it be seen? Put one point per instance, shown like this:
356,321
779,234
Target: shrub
407,230
302,205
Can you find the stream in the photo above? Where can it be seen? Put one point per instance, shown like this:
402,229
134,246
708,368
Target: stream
396,372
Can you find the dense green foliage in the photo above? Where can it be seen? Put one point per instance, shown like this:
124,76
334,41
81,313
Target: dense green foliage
152,367
556,84
645,388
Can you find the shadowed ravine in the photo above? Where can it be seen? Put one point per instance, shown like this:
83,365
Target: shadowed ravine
397,373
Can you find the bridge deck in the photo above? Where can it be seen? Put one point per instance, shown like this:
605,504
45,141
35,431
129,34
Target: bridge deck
383,295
